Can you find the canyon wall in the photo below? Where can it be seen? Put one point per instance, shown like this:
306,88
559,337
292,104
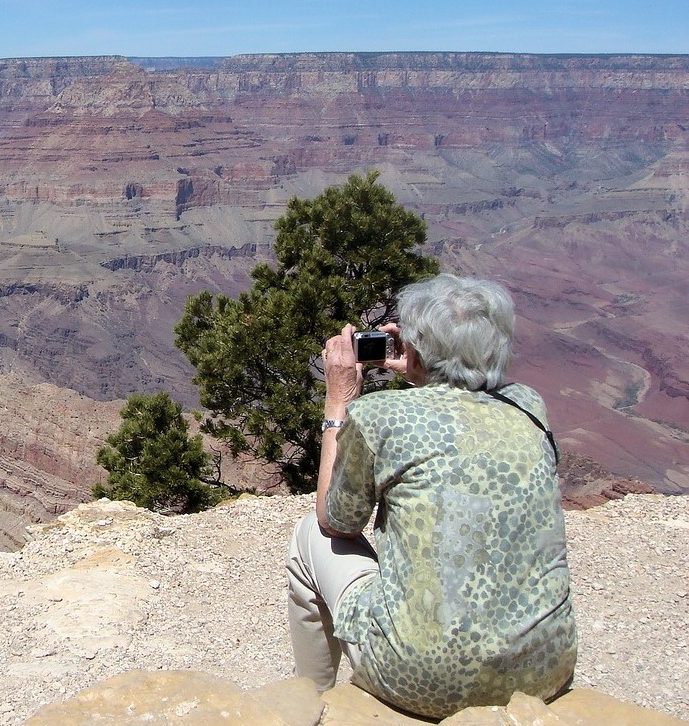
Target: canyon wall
48,444
128,184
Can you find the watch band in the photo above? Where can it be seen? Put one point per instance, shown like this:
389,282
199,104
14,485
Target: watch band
332,423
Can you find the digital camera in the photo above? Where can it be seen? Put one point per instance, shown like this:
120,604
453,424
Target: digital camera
372,345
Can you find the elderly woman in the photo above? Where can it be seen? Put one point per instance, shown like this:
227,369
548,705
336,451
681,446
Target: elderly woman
467,599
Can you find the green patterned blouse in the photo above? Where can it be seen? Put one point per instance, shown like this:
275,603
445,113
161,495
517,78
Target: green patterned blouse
472,601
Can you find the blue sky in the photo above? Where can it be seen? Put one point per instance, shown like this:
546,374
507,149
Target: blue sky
215,28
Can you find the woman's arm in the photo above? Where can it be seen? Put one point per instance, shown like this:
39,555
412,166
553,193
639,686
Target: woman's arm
343,380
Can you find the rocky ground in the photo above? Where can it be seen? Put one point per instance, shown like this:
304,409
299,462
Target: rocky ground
109,588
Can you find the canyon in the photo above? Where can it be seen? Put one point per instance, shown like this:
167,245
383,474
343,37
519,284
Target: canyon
127,184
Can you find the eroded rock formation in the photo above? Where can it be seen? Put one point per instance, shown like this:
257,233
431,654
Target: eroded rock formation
48,443
563,176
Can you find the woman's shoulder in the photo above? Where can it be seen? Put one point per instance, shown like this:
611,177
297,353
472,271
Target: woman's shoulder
380,402
526,397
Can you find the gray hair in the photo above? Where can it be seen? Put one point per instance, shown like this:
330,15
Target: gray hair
461,328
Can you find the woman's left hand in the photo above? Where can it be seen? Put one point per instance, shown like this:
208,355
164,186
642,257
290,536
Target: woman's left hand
343,375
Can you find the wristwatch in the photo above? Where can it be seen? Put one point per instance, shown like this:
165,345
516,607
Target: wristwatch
332,423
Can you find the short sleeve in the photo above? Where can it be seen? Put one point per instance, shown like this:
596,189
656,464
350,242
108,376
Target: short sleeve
351,495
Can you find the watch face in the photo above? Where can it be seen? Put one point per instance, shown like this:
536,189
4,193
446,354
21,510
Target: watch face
330,423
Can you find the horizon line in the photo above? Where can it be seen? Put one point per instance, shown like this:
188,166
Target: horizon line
582,54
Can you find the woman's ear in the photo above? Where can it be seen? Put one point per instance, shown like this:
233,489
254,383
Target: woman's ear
416,373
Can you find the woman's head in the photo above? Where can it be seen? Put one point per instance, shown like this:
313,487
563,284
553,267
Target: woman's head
461,329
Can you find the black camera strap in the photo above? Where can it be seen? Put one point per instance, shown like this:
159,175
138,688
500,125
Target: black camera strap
536,421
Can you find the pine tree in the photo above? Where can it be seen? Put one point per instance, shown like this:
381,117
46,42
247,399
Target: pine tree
341,257
153,461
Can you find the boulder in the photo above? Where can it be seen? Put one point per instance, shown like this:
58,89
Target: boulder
199,699
584,706
184,697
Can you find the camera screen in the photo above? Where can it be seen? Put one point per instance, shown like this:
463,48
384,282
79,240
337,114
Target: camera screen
371,348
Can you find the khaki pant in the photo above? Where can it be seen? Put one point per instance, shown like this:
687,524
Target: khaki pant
320,569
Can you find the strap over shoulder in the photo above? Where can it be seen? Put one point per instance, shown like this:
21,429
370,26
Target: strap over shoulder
536,421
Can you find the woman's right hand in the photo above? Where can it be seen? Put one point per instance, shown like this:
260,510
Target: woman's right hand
343,375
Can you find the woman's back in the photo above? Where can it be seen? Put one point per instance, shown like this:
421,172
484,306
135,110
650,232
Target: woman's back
472,600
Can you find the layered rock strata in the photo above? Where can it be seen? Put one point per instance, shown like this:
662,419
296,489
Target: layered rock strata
126,185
